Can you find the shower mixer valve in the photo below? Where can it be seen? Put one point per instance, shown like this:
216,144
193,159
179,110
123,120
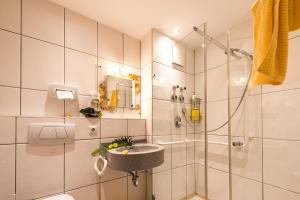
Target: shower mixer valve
181,97
174,97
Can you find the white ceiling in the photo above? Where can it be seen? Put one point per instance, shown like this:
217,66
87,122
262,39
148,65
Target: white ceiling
137,17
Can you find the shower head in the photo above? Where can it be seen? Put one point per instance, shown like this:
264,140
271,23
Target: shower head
237,53
240,53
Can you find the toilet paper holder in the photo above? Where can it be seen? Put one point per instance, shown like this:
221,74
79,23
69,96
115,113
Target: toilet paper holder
63,92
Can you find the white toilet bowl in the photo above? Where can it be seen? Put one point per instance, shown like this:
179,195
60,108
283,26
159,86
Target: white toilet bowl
60,197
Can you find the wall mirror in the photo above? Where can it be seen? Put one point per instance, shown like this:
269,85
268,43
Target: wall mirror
120,92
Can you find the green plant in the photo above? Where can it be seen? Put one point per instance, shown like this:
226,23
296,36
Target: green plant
91,112
119,142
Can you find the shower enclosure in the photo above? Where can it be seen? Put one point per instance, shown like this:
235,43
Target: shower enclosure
219,157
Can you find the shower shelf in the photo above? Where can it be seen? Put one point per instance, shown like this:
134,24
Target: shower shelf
210,142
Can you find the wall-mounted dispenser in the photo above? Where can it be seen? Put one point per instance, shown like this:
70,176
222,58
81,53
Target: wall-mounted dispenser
51,133
195,110
63,92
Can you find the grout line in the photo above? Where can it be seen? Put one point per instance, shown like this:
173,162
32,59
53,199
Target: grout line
64,57
262,143
15,156
278,187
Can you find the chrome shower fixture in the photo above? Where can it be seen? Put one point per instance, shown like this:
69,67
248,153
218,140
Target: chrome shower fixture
237,53
174,96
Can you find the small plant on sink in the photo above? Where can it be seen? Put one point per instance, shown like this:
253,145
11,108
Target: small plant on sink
119,142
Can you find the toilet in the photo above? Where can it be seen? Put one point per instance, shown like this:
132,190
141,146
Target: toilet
60,197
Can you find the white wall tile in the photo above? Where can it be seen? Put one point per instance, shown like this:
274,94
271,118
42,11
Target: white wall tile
146,49
179,183
199,85
274,193
107,68
7,171
81,33
137,193
292,78
39,171
161,117
43,20
281,166
23,124
218,186
84,126
217,116
116,189
146,81
79,164
110,43
161,82
199,148
10,12
190,87
132,51
73,107
247,120
199,61
281,114
113,128
162,48
239,75
111,174
247,162
176,111
218,154
42,64
9,101
81,72
190,61
38,103
136,127
178,151
190,156
190,180
179,57
167,153
215,55
162,185
246,189
91,192
7,130
200,182
178,78
217,83
9,59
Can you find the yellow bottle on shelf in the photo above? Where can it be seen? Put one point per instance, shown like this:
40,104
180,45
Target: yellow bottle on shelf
195,110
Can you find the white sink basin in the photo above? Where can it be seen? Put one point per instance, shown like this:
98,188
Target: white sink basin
139,157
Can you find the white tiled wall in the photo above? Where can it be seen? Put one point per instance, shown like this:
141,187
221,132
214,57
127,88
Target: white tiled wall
43,43
33,172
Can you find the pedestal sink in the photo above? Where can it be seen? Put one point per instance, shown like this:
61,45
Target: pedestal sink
139,157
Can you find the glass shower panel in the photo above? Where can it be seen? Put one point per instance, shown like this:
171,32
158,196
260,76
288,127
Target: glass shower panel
246,127
195,112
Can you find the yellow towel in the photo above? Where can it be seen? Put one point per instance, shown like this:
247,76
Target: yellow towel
272,21
113,103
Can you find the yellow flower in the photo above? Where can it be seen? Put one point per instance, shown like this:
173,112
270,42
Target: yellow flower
115,145
110,146
125,152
